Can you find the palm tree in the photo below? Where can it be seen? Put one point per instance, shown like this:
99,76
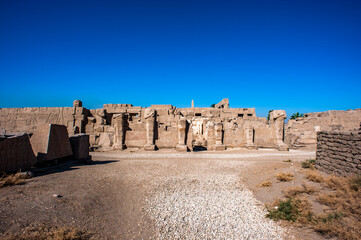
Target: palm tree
269,115
297,115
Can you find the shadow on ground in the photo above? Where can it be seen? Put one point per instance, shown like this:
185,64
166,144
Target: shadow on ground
64,165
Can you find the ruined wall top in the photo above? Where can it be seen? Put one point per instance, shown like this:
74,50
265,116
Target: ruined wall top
220,109
275,114
223,104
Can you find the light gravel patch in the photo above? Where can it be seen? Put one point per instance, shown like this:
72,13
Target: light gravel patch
205,155
216,207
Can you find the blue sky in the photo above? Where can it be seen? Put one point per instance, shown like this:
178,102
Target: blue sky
301,56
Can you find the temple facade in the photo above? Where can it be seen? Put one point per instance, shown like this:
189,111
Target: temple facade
120,126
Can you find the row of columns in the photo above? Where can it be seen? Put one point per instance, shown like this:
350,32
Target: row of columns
150,117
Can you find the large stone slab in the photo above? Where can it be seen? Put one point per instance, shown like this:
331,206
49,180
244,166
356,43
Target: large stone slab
16,153
50,142
80,146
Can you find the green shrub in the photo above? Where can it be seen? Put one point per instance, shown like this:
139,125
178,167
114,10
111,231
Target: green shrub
309,164
285,210
331,217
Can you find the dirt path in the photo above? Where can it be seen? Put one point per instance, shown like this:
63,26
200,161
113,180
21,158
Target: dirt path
125,195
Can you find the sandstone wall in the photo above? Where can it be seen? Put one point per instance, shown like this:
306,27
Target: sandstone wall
339,152
27,119
302,132
126,126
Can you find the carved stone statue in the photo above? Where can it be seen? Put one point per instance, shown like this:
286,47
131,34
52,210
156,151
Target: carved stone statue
277,121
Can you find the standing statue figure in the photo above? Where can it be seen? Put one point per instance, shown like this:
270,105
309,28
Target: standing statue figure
149,116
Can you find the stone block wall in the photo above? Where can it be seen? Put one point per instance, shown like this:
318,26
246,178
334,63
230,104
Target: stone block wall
339,152
302,132
27,119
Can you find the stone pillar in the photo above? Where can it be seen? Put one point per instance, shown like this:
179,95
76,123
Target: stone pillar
150,123
277,121
79,123
182,127
250,138
100,120
210,135
219,136
119,125
78,118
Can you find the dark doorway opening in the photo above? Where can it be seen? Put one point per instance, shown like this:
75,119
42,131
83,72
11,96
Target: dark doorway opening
199,148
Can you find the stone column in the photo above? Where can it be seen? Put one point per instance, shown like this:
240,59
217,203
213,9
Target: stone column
150,123
100,120
182,127
210,135
250,138
78,118
277,120
218,127
119,125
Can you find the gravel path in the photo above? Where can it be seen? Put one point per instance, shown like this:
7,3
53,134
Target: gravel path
198,206
199,195
213,155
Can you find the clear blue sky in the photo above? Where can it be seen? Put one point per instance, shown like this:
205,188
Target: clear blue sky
295,55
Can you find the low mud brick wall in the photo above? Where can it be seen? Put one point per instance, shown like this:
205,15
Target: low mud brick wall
339,152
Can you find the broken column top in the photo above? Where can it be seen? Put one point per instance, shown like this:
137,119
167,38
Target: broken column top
77,103
277,113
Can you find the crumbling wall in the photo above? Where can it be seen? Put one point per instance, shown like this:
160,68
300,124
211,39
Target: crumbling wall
339,152
302,132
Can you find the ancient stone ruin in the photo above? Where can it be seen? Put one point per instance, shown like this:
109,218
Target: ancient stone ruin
302,132
120,126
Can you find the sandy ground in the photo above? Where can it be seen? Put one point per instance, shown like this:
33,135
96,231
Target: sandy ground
116,196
